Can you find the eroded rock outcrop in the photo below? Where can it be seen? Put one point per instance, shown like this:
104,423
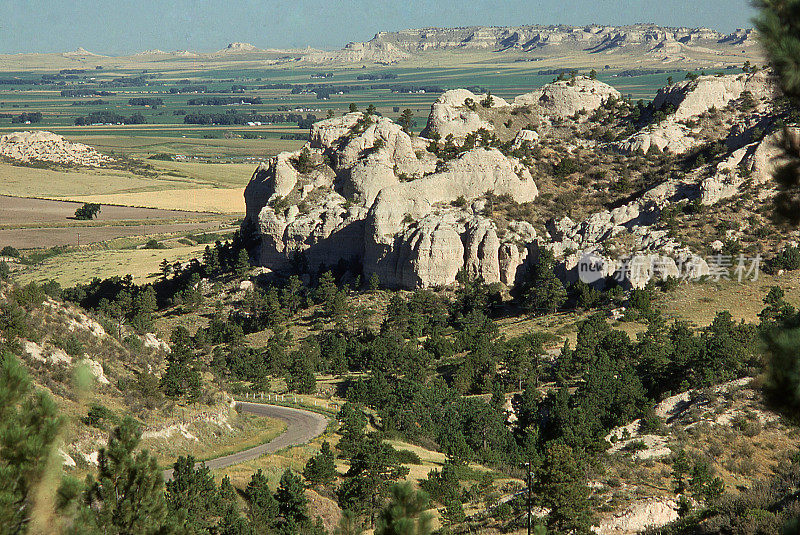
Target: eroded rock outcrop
367,192
413,209
456,113
679,132
567,97
44,146
753,164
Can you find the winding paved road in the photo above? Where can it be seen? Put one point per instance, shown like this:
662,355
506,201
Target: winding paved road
301,427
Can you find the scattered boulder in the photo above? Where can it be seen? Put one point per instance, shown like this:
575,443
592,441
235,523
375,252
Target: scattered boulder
96,369
151,341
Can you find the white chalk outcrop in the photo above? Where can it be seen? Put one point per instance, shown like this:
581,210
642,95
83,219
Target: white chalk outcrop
565,98
678,133
41,146
374,195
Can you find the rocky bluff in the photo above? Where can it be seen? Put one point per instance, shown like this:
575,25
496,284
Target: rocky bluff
416,210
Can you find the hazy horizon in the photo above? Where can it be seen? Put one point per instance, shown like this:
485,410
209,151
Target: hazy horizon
105,27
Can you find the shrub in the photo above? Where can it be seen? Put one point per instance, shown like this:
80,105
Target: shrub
565,167
98,416
634,446
407,457
89,210
9,251
788,259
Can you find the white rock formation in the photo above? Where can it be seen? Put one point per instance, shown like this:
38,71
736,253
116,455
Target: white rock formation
456,112
636,518
376,196
691,99
49,147
567,97
754,163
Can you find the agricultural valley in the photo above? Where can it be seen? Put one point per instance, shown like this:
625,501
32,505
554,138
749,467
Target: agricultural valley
500,280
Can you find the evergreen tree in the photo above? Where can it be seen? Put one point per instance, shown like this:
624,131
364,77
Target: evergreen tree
778,26
300,375
127,495
291,297
166,269
232,523
452,513
326,288
406,121
353,425
321,469
561,486
242,265
193,494
181,377
227,495
374,282
263,509
373,465
349,524
405,514
28,426
291,498
211,261
544,292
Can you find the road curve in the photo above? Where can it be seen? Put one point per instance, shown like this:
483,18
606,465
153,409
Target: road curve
301,427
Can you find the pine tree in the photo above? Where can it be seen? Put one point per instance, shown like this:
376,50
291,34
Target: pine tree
211,261
406,121
242,265
263,508
291,498
227,495
544,293
405,514
374,283
181,378
452,513
349,524
127,495
193,492
561,486
29,423
778,26
373,465
321,469
300,376
166,268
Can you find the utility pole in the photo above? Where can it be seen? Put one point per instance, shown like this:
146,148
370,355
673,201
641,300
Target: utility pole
530,501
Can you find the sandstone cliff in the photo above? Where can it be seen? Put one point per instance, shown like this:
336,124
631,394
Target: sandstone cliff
417,210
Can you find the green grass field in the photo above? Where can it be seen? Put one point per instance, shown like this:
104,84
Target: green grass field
506,75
